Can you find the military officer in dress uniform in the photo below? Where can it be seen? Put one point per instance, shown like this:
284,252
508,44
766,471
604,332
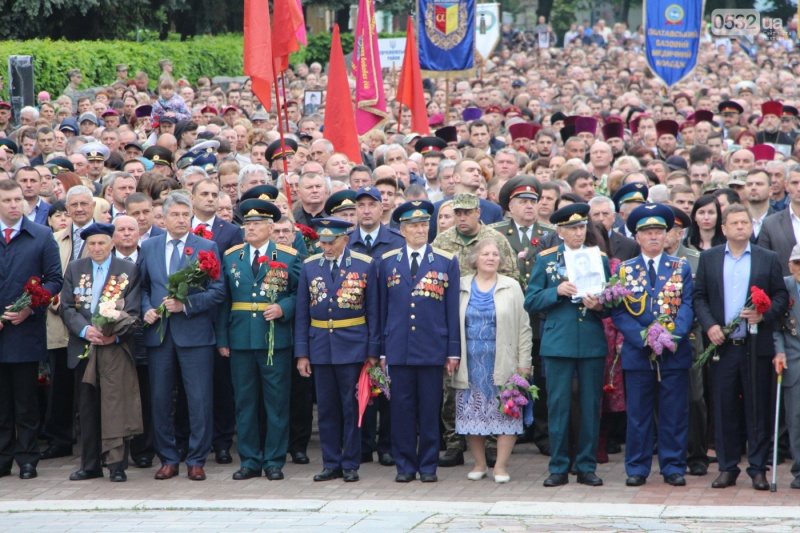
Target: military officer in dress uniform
268,193
261,283
524,232
573,342
342,205
662,286
419,285
336,329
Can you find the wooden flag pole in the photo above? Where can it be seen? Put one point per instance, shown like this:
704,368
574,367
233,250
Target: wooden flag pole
283,145
285,90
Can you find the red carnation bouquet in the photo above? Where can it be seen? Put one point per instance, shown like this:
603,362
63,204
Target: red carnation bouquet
309,235
204,268
757,300
33,295
203,233
276,281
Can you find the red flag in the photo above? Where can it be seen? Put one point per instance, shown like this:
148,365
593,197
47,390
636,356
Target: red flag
370,98
288,19
340,121
409,89
258,49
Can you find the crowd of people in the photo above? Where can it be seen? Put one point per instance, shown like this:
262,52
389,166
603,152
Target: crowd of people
439,264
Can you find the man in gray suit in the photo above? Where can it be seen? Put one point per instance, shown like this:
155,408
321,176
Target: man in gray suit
787,362
778,232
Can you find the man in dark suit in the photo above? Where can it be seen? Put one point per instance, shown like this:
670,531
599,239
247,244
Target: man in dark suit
374,239
88,282
777,232
424,338
26,249
189,339
721,292
602,211
31,182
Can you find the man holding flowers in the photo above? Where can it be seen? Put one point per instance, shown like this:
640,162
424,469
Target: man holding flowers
108,389
726,277
254,329
655,321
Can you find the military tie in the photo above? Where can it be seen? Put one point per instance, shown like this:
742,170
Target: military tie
368,241
256,265
334,268
175,258
524,239
414,263
651,271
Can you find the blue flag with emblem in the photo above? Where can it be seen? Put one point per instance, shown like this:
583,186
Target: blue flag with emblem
672,37
446,35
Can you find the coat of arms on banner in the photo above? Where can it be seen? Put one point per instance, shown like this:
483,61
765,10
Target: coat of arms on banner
446,23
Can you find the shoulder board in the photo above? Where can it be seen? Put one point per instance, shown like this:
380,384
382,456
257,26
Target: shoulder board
691,253
443,253
235,248
548,251
498,225
547,226
390,253
314,257
362,257
286,249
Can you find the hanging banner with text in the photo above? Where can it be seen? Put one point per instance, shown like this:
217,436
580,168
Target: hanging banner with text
672,37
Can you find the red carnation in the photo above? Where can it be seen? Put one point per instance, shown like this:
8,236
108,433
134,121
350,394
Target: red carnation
307,232
276,265
535,241
263,259
609,388
201,231
760,300
188,251
209,264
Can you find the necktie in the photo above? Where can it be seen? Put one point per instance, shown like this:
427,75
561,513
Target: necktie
97,287
524,231
414,263
8,232
129,259
651,271
368,241
175,258
334,268
256,265
77,244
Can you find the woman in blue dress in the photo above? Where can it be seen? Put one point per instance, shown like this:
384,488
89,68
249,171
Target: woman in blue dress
495,344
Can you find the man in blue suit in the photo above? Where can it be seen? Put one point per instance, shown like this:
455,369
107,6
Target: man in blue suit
334,338
31,182
419,286
374,239
26,249
189,338
662,286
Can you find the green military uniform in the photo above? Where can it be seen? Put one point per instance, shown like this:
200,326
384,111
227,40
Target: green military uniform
526,262
242,328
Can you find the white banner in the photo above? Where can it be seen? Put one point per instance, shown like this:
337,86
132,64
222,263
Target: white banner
392,52
487,29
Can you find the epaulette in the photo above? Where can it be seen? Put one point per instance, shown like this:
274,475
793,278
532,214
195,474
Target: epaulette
547,225
390,253
363,257
313,258
443,253
495,225
286,249
692,253
231,250
548,251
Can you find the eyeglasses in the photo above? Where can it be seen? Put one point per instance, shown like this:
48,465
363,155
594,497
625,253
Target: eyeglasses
796,262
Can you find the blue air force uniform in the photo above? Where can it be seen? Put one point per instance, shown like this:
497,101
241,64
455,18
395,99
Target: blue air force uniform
337,327
664,382
419,317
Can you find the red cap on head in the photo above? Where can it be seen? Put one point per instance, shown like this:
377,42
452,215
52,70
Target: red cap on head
763,152
666,127
586,125
772,108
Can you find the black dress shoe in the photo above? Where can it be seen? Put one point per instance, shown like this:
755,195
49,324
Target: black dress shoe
118,476
52,452
300,458
386,459
246,473
589,478
452,457
635,481
491,457
556,480
143,462
83,475
676,480
760,482
613,447
405,478
545,450
328,474
223,457
27,471
698,469
428,478
795,483
274,473
350,476
725,479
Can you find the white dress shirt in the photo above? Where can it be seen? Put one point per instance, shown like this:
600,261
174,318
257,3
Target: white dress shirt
168,250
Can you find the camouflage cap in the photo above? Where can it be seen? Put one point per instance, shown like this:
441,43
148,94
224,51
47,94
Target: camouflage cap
466,201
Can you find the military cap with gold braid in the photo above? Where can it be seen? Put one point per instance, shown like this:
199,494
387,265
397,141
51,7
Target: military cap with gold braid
632,192
257,209
159,155
9,146
413,211
571,215
276,151
650,216
263,192
523,186
340,201
329,229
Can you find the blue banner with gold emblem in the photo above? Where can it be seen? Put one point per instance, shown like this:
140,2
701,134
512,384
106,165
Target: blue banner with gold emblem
672,37
446,35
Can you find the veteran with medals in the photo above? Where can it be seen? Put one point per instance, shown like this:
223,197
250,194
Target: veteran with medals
419,286
254,328
336,329
662,289
573,342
